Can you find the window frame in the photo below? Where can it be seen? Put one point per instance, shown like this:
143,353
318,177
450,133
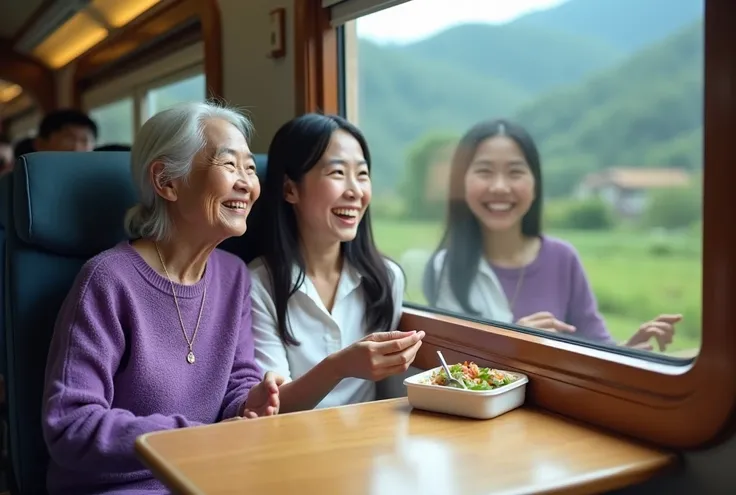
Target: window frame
316,61
169,70
676,406
179,65
162,82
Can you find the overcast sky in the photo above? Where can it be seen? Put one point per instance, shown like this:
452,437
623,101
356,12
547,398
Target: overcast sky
421,18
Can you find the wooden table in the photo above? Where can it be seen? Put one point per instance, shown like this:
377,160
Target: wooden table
387,448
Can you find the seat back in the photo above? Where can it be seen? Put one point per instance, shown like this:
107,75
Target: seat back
64,208
246,246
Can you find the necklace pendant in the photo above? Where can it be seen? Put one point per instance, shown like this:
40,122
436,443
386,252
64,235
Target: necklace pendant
190,357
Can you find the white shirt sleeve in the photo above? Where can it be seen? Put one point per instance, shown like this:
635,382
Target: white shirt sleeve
269,349
397,291
445,298
486,294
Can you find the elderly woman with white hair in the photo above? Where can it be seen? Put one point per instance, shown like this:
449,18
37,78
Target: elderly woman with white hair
156,333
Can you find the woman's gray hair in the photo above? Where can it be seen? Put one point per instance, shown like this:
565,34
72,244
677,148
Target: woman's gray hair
173,137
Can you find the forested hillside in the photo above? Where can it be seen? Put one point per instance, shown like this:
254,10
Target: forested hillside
625,24
646,111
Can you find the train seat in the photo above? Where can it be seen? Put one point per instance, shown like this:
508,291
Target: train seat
64,208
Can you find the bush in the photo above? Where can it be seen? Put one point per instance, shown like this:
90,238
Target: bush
387,207
674,208
660,247
425,154
587,214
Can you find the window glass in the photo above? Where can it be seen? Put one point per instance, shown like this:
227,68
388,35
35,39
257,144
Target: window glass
114,122
25,126
186,90
540,162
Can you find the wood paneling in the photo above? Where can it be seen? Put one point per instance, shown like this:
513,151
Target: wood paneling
151,32
31,75
316,66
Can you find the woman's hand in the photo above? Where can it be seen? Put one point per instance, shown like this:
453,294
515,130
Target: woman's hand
662,328
544,320
379,355
263,399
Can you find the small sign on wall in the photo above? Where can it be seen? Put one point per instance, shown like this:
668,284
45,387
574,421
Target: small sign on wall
278,33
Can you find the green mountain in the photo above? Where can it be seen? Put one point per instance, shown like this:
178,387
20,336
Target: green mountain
646,111
531,58
625,24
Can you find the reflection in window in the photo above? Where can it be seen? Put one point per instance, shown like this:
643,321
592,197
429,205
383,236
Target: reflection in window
466,115
114,122
186,90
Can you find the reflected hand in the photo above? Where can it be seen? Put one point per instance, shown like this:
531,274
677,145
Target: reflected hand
544,320
662,328
379,355
263,399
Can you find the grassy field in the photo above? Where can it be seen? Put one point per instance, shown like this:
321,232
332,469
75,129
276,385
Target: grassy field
635,275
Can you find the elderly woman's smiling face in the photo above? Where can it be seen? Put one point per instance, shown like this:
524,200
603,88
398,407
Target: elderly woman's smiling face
213,202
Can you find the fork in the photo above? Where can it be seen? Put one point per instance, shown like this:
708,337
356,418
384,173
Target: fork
450,379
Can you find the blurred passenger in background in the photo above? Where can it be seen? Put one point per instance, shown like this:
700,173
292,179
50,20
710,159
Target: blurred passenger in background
494,262
66,130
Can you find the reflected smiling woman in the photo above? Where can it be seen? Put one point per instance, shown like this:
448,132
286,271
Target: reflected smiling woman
494,263
155,333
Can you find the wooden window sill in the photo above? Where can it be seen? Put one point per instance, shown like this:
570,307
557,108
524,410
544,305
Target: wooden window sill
640,398
387,447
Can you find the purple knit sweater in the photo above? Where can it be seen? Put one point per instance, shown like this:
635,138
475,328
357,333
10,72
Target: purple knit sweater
117,366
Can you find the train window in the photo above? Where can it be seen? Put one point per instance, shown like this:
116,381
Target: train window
144,91
115,122
537,165
24,125
185,90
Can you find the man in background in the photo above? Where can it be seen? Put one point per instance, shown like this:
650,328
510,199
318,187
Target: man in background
66,130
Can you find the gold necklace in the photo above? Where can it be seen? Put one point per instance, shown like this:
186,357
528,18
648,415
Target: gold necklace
190,343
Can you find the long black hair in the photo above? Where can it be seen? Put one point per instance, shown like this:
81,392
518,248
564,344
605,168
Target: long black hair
462,239
295,149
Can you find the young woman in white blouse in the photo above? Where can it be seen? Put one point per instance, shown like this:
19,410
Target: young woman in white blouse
326,304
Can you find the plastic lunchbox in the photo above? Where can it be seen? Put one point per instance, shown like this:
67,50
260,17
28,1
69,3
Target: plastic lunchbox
478,404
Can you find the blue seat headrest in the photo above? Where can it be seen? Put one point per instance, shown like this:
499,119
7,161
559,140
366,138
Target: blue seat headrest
63,202
72,203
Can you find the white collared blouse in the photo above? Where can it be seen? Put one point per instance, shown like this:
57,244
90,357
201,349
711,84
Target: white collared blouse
320,332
